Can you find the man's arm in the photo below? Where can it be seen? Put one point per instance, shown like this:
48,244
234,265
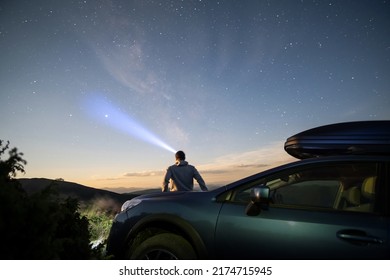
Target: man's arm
167,177
200,180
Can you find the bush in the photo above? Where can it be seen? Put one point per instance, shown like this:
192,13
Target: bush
39,226
100,222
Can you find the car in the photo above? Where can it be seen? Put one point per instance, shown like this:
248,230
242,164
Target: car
331,203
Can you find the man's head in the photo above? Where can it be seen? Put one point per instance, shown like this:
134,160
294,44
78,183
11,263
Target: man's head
180,155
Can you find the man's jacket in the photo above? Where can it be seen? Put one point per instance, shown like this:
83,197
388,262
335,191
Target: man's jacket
182,174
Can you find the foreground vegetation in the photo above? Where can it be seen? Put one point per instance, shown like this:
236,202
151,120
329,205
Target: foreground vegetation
43,225
100,221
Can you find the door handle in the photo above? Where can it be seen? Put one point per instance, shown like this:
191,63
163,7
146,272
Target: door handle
358,237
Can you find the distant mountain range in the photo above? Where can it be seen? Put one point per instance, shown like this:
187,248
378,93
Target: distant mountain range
85,195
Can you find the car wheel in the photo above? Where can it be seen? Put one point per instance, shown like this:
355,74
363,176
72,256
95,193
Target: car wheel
164,246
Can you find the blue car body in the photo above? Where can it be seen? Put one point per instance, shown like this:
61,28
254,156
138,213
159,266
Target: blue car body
326,207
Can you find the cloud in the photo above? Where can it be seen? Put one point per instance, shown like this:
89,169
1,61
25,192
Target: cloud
237,165
260,165
96,178
266,155
126,65
144,174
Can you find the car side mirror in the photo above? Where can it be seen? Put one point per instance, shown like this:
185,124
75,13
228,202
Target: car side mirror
259,200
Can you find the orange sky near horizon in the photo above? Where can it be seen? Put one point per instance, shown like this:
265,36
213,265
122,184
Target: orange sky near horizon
221,171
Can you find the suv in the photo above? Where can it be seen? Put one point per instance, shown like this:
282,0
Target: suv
333,203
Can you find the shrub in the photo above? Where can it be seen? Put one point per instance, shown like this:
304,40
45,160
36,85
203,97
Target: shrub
99,221
39,226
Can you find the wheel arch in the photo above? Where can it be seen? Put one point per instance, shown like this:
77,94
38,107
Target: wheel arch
154,224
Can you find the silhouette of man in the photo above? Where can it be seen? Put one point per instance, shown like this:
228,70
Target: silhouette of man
182,174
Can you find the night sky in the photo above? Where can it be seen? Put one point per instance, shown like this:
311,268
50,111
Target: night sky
101,92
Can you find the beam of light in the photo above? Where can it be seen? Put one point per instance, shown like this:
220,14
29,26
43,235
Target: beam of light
106,113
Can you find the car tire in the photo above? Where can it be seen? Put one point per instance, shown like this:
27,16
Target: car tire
164,246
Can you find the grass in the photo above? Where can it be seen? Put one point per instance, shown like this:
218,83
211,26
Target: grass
99,222
100,216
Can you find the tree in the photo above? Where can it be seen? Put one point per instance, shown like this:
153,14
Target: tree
13,164
38,226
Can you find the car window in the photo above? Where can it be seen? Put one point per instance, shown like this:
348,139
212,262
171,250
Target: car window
347,187
314,193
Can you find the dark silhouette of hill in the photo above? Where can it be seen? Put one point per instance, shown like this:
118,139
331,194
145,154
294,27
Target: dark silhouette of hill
110,201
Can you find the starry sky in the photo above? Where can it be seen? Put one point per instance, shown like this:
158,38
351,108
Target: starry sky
102,92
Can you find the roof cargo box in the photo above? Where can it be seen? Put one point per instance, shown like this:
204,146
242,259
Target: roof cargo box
362,138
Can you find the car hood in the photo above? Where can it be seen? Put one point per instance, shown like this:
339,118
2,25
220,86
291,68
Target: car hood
179,195
161,195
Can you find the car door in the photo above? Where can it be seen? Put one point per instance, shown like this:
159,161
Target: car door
320,211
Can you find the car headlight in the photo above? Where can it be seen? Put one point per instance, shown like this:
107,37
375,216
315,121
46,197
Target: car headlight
130,204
